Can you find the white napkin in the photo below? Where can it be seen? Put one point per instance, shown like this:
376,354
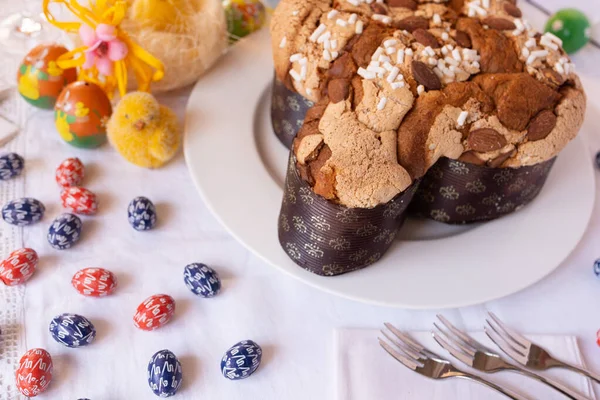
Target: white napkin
8,130
366,372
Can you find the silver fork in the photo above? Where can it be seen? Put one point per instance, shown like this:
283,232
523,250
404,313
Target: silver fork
417,358
477,356
526,353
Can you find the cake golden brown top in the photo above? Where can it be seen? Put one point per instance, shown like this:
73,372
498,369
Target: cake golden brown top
400,83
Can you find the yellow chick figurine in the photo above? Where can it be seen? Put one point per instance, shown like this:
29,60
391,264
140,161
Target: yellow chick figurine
144,132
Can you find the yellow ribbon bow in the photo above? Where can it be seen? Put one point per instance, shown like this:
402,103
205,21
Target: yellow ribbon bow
145,66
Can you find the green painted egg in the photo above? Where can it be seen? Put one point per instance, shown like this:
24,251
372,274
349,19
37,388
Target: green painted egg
572,26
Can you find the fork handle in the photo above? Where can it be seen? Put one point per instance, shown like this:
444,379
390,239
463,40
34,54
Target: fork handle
491,385
561,364
553,384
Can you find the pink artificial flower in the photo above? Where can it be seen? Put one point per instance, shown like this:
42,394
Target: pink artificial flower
104,48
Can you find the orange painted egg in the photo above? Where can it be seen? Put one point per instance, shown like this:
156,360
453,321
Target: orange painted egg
81,113
40,79
34,372
155,312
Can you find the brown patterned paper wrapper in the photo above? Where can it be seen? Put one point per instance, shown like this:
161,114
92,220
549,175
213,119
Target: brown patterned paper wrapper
455,192
329,239
288,110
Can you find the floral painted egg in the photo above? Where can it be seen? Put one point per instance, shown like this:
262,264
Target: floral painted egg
141,214
11,165
72,330
81,113
34,372
244,17
70,173
202,280
94,282
64,232
164,373
241,361
23,212
154,312
18,267
79,200
40,79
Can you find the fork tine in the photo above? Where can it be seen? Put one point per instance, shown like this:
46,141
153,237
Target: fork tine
464,358
505,346
456,343
461,335
409,351
408,341
516,337
399,357
405,338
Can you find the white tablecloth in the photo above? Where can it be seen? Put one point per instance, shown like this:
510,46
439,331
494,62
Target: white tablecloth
295,324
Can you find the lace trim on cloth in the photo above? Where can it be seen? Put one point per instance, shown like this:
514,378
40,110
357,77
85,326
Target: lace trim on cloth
12,330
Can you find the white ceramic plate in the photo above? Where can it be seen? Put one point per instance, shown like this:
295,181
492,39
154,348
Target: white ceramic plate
239,166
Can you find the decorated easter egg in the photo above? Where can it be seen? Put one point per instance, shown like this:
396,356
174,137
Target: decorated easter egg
72,330
81,113
79,200
164,373
141,214
64,232
11,165
70,173
572,27
202,280
154,312
23,212
18,267
34,372
94,282
40,79
244,17
241,361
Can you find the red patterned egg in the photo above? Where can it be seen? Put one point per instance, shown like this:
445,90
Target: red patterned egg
154,312
79,200
18,267
34,372
94,282
70,173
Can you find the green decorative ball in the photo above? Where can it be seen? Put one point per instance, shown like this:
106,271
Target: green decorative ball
572,26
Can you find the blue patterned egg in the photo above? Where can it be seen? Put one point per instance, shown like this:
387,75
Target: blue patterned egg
164,373
72,330
241,361
64,232
202,280
23,212
141,214
11,165
597,267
